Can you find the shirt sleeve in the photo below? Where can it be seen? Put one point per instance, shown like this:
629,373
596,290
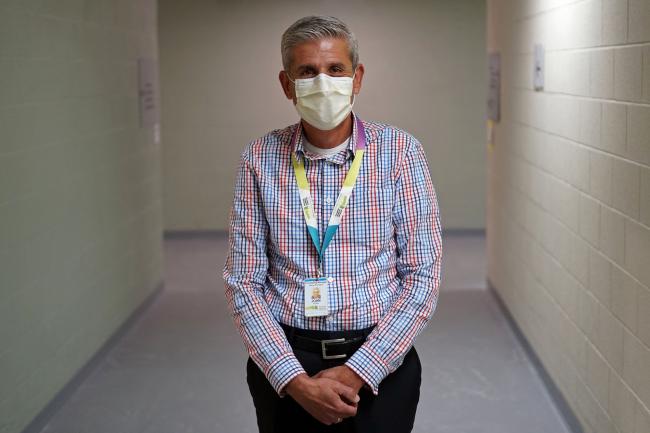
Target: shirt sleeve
416,220
244,276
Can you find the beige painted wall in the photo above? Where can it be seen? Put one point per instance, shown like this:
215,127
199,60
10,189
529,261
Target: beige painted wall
425,72
568,224
80,202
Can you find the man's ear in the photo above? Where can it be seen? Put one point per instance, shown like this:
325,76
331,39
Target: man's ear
358,77
287,85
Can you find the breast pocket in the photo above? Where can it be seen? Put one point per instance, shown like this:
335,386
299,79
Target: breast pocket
291,220
373,226
282,205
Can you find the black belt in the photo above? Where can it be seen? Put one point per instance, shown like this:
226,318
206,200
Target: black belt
329,344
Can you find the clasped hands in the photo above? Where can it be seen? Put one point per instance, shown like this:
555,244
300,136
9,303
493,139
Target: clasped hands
330,395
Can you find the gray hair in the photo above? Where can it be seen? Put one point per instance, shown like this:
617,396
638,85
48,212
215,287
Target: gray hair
313,28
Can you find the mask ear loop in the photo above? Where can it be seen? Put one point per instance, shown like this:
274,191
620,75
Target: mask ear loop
293,81
353,98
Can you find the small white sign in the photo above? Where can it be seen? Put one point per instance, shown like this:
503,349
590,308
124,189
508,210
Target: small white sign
156,133
494,87
148,92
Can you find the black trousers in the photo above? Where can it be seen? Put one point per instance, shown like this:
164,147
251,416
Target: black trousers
392,410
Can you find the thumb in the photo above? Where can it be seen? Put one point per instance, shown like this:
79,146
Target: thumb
348,393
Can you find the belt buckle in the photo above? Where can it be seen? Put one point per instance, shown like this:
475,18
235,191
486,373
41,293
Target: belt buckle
324,350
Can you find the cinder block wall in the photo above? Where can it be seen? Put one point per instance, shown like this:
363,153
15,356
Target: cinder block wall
569,199
80,217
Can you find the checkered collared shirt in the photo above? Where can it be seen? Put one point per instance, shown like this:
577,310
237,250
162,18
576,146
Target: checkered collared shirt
385,258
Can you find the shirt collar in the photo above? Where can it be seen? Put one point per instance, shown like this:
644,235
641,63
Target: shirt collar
338,158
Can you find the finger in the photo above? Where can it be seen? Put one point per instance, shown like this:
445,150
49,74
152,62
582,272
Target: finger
351,403
337,406
347,393
324,374
329,419
326,417
345,410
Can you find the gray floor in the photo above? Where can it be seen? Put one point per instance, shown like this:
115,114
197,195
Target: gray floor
180,368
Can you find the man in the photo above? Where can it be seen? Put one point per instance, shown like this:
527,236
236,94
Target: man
335,252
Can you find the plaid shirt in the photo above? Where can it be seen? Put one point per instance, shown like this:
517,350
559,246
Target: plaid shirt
385,258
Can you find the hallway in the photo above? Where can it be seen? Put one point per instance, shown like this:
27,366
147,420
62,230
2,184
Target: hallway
131,129
180,368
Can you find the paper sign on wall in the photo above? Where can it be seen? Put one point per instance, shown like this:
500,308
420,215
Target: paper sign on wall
148,94
494,87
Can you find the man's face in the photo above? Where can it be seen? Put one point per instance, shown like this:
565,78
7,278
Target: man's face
330,56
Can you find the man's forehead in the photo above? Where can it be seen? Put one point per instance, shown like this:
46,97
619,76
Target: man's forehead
321,51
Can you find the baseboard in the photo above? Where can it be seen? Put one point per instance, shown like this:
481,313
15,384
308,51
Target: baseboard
218,233
464,232
192,234
45,415
556,395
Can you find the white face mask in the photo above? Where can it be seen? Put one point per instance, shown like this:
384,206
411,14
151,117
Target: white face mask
324,101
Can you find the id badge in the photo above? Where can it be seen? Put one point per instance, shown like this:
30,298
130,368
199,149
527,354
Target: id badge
316,300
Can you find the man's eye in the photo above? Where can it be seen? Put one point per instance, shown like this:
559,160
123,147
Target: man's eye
337,72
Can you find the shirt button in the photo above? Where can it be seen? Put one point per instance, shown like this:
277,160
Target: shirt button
328,200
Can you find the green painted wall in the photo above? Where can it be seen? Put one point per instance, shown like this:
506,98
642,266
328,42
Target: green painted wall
80,217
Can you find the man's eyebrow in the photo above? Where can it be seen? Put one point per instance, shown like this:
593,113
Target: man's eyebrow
314,67
306,66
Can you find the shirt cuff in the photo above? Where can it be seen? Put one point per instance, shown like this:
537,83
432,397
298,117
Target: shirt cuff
369,366
282,370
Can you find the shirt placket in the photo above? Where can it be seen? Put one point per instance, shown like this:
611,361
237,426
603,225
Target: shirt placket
325,209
